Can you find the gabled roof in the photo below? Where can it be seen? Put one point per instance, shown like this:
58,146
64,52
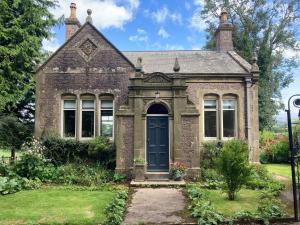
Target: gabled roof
73,36
191,61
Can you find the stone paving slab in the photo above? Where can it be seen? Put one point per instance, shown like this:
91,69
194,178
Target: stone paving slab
156,206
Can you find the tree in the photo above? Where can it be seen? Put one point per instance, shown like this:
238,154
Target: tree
23,26
268,28
13,133
233,165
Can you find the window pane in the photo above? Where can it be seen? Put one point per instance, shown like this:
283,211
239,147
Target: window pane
69,104
106,104
228,123
210,104
69,123
107,128
210,123
228,104
88,104
107,123
87,124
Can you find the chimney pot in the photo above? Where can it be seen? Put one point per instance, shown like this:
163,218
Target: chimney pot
72,24
73,10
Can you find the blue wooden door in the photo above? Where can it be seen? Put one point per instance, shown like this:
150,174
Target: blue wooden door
157,143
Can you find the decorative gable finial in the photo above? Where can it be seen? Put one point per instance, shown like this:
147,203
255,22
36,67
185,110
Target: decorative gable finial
224,16
176,67
254,66
139,66
89,17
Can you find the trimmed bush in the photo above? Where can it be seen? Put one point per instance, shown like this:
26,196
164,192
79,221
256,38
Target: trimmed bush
64,151
102,151
233,165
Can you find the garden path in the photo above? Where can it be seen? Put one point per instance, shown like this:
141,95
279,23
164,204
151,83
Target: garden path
155,206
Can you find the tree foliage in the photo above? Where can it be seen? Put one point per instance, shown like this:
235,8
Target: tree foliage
23,26
269,28
13,133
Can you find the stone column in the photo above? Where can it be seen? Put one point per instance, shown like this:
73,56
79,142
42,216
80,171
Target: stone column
248,96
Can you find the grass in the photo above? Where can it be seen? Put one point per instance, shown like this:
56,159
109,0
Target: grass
7,153
54,205
245,200
283,170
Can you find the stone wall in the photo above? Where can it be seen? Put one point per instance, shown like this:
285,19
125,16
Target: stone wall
87,63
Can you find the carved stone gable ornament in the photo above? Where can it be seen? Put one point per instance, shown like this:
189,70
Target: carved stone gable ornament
157,78
88,47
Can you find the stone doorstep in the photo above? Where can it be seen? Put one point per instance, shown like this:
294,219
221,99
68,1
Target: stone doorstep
157,183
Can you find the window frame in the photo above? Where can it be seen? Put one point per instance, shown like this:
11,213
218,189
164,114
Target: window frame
107,98
63,99
85,98
209,98
235,117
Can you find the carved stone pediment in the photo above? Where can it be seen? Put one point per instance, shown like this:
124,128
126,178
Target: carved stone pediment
157,78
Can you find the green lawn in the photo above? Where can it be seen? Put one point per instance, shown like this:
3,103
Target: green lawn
283,170
54,205
246,200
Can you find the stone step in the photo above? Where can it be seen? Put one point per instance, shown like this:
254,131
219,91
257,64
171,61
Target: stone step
157,183
157,176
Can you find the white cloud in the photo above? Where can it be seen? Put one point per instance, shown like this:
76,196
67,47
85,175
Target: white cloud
163,33
162,15
199,2
291,53
51,45
140,36
196,22
106,13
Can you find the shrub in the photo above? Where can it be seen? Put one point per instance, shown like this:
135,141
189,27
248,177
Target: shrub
62,151
119,177
234,166
210,152
269,207
211,179
275,148
9,186
103,151
114,211
30,166
280,152
261,179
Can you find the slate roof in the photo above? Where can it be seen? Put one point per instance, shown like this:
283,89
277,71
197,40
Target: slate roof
190,61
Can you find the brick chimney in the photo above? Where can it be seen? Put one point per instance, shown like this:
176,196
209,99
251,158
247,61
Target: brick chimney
72,23
224,34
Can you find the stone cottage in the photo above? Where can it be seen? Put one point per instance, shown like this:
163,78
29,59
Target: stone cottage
159,106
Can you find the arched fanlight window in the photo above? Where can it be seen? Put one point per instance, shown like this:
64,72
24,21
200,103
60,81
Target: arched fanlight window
157,109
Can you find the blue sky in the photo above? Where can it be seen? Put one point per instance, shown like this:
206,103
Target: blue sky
147,25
